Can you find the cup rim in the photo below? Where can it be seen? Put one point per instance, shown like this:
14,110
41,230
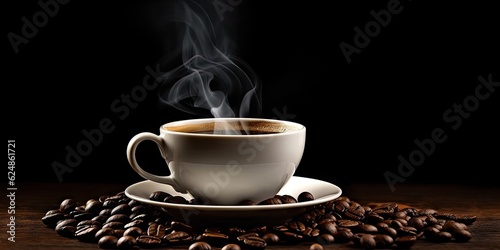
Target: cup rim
299,127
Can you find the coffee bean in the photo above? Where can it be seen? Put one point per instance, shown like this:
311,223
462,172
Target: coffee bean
126,242
147,241
405,241
286,199
133,231
105,231
51,219
86,233
315,246
200,245
107,242
121,209
254,242
215,239
93,206
271,238
67,231
383,241
67,205
177,238
231,246
120,219
159,196
305,196
270,201
326,238
176,199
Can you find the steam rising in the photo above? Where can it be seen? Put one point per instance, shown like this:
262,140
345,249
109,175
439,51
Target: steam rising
209,78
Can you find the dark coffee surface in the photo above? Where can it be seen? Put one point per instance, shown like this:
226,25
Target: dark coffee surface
234,127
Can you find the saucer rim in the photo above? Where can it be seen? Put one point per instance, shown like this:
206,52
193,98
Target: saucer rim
219,208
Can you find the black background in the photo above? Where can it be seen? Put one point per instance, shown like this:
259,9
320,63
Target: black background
360,116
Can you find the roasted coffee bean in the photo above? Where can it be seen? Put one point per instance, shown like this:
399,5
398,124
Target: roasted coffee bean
466,219
105,212
305,196
315,246
215,239
126,242
107,242
84,216
326,239
67,205
388,231
270,201
405,241
110,203
297,226
85,223
136,223
383,241
271,238
366,241
133,231
176,199
177,238
105,231
355,212
344,236
462,235
328,227
122,218
348,223
254,242
86,233
200,245
407,231
147,241
159,196
285,199
121,209
231,246
67,231
114,225
242,237
138,209
66,222
51,219
93,206
101,218
365,228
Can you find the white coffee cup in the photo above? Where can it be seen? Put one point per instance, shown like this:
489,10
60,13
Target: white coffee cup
218,163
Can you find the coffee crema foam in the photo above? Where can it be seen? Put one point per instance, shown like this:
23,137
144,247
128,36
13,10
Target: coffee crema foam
233,127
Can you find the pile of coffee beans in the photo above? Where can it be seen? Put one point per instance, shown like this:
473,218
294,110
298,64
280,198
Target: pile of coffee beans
118,222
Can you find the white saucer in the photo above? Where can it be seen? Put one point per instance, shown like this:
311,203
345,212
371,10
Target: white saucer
239,214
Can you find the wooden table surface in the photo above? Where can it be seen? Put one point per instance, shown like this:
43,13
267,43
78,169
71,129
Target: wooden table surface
33,200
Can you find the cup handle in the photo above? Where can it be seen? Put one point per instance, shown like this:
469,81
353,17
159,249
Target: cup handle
131,150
